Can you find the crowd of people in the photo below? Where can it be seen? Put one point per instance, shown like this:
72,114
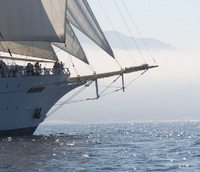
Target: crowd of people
37,69
58,68
33,70
30,69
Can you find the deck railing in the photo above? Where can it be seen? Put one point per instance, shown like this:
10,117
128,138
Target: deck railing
23,72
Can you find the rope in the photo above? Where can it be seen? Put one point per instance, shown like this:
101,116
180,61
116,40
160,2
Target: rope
109,86
118,63
6,46
129,31
117,34
125,86
74,67
70,98
68,61
136,78
138,31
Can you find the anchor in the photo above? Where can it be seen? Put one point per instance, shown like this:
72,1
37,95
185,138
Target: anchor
37,113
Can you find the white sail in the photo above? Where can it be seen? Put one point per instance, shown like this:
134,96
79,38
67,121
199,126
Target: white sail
29,26
72,44
29,48
33,20
80,15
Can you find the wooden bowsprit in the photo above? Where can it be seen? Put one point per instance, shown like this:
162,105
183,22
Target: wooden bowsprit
109,74
121,73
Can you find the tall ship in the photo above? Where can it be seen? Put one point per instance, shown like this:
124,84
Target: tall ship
31,32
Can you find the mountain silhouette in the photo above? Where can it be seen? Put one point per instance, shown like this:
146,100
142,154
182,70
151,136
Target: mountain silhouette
115,40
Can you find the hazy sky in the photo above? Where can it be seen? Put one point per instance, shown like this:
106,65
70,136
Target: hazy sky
170,92
173,21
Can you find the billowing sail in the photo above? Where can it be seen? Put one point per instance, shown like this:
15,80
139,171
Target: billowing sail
72,44
33,20
29,48
28,27
80,15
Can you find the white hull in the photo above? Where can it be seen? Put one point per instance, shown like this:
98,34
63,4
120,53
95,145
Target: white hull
20,97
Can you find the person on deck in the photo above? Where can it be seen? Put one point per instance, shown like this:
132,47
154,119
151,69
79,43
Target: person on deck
37,68
55,68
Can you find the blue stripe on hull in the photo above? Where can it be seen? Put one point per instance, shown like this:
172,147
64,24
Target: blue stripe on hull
18,132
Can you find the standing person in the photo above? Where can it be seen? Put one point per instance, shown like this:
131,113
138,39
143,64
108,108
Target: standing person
32,69
40,69
37,68
61,67
55,68
28,69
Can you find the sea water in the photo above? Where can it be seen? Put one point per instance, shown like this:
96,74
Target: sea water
132,146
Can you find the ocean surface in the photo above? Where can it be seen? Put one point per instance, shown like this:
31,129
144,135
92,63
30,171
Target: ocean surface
133,146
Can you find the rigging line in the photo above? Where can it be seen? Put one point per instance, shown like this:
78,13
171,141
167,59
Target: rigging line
117,34
73,48
81,100
65,102
109,85
129,31
90,67
29,47
136,78
118,63
74,66
70,98
77,101
26,55
68,61
112,92
68,101
55,52
7,48
126,85
138,30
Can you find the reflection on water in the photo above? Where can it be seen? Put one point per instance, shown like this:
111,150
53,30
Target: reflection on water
40,152
173,146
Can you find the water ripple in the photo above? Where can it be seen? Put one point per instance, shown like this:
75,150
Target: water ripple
135,146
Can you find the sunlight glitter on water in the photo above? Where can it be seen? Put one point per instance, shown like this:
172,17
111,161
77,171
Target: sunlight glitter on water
169,146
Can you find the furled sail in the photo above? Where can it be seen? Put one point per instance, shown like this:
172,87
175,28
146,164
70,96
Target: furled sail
81,16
